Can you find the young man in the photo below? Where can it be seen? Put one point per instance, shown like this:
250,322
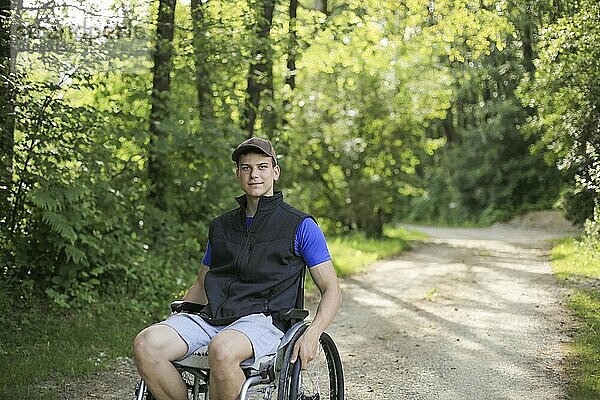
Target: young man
255,259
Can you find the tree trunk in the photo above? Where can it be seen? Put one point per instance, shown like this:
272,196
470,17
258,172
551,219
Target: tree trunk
293,45
260,74
527,38
203,82
321,5
460,114
290,79
7,108
528,54
448,125
161,82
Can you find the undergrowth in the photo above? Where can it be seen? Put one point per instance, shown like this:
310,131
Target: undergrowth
41,347
576,263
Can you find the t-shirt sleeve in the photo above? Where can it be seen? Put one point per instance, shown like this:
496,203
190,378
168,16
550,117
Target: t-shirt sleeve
207,255
310,243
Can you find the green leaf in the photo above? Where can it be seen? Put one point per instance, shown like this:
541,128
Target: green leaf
60,224
75,254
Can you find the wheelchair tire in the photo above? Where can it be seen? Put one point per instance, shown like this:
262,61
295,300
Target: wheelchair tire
323,379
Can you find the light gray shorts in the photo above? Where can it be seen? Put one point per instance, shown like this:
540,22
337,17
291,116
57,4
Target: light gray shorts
196,332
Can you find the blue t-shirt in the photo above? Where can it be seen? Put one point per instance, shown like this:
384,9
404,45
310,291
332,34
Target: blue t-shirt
309,243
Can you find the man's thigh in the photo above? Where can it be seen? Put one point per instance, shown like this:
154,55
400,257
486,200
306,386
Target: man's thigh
264,337
192,329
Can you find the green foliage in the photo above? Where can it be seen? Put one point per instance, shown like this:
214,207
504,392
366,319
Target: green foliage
564,92
585,372
50,200
356,125
398,111
490,175
485,172
577,203
41,348
78,224
576,258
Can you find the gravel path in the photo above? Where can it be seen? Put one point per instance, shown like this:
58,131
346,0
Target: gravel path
467,314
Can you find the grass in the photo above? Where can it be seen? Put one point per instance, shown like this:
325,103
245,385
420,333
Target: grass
431,294
40,348
352,253
575,260
578,265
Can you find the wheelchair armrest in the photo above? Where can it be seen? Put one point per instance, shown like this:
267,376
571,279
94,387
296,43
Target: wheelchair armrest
293,314
186,306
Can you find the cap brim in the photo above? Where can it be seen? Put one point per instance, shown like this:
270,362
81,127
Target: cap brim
236,153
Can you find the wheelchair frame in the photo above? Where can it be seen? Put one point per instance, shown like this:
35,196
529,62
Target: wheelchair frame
274,372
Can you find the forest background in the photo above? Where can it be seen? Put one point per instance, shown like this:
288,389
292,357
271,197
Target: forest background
117,123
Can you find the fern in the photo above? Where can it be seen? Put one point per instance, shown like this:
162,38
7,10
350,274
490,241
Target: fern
60,224
74,254
74,193
45,200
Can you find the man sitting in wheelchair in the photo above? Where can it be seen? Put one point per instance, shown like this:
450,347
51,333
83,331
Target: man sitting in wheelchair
252,270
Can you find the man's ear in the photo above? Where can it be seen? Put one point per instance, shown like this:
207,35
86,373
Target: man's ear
277,172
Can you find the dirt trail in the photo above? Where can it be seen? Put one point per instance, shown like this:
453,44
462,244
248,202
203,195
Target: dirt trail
467,314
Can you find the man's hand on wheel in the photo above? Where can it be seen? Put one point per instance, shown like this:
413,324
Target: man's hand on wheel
306,347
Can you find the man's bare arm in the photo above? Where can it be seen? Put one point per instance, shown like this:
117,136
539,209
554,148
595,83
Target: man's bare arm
196,293
331,299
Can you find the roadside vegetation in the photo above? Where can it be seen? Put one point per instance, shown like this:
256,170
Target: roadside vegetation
352,253
115,148
41,347
576,263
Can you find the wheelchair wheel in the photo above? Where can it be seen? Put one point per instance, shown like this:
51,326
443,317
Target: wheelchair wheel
323,379
195,381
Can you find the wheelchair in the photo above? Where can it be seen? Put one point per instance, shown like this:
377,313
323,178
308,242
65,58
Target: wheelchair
271,377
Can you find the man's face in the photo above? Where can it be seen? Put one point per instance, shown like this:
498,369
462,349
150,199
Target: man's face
256,174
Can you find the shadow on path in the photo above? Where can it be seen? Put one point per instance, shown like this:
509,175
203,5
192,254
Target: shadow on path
469,316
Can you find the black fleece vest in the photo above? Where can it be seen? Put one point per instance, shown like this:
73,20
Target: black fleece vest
254,269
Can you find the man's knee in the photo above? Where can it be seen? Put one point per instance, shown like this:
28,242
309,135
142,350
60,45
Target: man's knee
142,344
218,352
229,348
158,343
